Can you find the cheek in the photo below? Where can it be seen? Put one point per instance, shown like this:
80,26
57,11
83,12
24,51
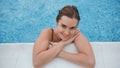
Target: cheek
72,32
60,30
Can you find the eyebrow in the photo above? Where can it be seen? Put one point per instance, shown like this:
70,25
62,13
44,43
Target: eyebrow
70,27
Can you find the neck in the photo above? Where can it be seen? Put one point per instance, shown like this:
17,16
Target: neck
56,35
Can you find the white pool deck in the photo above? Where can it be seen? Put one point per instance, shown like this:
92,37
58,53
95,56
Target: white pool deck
19,55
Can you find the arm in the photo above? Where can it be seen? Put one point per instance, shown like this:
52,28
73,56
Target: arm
85,56
41,53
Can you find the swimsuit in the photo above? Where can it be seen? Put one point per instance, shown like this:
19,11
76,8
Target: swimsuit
52,34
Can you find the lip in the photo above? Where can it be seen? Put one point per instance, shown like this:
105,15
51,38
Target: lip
65,36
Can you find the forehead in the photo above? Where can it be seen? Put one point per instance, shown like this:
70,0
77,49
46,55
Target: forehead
70,22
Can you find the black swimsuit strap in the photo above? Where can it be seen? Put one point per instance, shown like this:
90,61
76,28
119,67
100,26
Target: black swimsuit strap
52,34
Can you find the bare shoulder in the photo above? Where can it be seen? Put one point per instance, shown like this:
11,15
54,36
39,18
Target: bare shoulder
81,38
45,35
42,42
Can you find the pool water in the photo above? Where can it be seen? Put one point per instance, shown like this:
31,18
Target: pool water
23,20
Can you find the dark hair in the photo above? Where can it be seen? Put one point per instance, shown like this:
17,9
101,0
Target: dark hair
69,11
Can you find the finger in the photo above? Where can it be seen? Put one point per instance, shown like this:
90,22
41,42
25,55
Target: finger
76,35
50,46
77,32
52,43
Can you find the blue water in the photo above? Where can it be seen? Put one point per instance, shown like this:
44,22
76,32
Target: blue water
23,20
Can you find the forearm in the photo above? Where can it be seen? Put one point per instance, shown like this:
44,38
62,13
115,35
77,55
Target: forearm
44,57
80,59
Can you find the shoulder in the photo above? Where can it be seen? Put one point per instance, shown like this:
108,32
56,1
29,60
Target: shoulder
81,38
46,30
45,34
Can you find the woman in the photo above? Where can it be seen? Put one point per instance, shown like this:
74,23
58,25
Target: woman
66,33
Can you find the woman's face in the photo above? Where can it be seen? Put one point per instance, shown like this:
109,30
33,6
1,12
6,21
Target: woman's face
66,27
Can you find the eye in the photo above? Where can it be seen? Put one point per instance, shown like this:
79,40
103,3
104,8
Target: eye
63,26
72,28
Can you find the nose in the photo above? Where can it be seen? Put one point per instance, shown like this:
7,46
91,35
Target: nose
67,32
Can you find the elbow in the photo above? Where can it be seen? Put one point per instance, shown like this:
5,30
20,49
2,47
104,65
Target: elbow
36,63
91,63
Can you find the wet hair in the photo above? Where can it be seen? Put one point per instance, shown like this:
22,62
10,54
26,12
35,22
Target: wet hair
69,11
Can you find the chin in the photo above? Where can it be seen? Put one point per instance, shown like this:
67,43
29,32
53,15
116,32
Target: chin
64,39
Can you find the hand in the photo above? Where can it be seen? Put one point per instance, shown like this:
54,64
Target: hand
52,44
61,53
72,38
66,42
